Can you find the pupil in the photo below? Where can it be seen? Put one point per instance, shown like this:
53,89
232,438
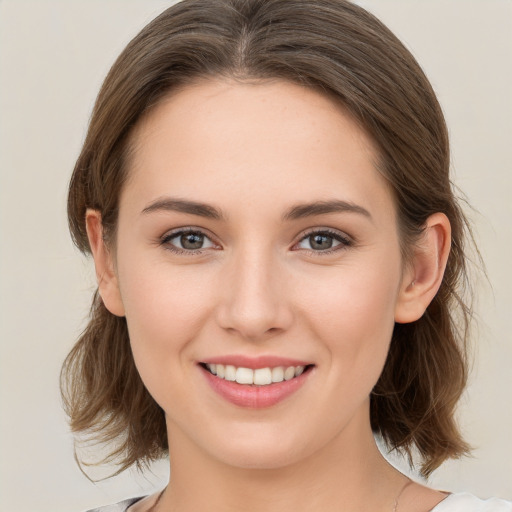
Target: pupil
321,242
191,241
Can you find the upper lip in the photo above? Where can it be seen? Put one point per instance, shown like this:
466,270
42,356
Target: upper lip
263,361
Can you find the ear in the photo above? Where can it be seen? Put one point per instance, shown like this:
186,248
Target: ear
424,273
108,285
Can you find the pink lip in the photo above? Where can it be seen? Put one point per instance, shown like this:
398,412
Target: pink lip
255,397
255,362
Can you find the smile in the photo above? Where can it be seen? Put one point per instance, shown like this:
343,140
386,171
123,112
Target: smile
256,377
258,387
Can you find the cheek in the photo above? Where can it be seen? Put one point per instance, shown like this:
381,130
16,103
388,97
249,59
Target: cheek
355,318
165,312
160,298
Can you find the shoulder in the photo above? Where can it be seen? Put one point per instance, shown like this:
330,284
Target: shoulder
465,502
122,506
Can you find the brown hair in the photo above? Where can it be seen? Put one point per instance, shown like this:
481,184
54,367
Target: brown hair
338,49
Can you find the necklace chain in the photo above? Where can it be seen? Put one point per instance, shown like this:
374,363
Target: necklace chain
152,508
395,505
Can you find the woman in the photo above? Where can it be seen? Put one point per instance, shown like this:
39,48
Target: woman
264,189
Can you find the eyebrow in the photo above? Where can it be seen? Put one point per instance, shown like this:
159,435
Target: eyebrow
185,206
299,211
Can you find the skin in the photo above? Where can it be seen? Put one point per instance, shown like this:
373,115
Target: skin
259,286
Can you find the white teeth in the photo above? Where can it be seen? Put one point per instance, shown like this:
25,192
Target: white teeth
289,373
278,374
258,377
262,376
244,376
230,373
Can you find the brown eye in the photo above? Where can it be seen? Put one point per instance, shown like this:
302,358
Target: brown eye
192,241
187,241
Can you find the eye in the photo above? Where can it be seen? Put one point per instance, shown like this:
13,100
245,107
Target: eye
187,241
324,241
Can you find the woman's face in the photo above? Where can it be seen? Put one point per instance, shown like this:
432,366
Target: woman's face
255,232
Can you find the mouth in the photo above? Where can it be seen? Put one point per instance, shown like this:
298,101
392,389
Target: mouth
256,382
256,377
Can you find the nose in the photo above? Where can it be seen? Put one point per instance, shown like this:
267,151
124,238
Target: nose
254,300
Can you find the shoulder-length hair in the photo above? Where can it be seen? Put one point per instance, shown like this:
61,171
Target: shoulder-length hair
340,50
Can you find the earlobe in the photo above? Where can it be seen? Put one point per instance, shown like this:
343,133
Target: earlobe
425,271
106,277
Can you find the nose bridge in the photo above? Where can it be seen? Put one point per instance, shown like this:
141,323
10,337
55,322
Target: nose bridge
254,300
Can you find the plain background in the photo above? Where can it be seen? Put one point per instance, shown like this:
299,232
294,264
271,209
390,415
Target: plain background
53,57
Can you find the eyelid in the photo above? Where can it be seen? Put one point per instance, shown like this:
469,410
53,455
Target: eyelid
344,240
342,237
164,240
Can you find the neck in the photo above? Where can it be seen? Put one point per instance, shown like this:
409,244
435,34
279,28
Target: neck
348,473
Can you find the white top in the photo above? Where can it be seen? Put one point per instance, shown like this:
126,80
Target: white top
457,502
465,502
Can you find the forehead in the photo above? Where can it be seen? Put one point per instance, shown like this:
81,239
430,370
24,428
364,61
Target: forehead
274,137
250,108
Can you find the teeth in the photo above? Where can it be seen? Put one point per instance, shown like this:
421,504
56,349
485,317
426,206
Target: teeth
258,377
244,376
220,370
278,374
262,376
230,373
289,373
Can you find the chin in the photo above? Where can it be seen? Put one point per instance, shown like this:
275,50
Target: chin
261,459
261,452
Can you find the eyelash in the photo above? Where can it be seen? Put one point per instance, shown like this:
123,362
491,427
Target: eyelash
166,239
344,240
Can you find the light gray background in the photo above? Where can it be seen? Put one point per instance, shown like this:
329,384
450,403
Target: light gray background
53,57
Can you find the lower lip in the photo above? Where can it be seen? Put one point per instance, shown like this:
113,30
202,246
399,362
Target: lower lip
255,397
